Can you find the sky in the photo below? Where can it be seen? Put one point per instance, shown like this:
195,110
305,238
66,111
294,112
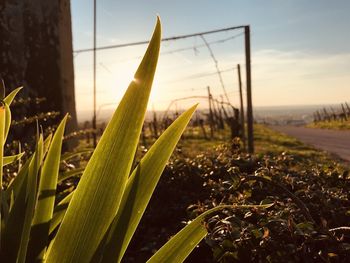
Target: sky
300,50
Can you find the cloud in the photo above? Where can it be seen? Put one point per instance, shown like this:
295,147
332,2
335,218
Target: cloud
286,78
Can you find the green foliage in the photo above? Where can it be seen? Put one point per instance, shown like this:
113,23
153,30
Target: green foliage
98,219
310,203
332,125
225,175
310,218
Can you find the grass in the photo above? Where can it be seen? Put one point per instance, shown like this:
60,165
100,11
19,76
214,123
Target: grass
267,142
192,146
332,125
270,142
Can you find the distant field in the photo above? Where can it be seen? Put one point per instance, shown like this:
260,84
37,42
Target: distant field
267,141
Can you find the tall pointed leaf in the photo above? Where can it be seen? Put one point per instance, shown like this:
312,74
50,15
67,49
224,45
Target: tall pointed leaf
2,89
59,212
2,141
30,199
7,121
11,236
140,187
19,220
5,209
9,98
47,143
13,158
70,155
16,183
69,174
98,194
46,196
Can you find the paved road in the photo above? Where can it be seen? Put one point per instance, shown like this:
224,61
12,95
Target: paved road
333,141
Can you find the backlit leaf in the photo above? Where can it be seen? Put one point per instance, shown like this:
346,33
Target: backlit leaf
46,196
10,159
98,194
140,187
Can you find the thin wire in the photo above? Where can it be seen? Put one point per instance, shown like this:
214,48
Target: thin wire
197,76
217,67
220,41
94,61
105,68
201,75
200,46
164,39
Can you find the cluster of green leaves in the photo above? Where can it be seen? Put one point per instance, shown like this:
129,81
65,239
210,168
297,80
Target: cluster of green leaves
309,220
180,186
98,219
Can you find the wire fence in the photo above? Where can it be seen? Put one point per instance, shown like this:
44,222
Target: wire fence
186,67
181,64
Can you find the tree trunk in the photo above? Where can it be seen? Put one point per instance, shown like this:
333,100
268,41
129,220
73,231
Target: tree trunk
37,53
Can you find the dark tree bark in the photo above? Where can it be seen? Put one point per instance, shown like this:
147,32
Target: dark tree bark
36,52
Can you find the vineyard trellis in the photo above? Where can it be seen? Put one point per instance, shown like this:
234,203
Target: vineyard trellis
340,114
246,31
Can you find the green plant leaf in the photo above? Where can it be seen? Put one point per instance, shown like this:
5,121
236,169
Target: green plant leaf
2,141
16,182
59,212
11,236
18,224
7,122
10,159
5,208
47,143
98,194
15,185
70,155
180,246
140,187
46,196
68,174
9,98
30,199
2,89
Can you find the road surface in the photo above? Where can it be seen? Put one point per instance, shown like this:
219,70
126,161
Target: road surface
333,141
